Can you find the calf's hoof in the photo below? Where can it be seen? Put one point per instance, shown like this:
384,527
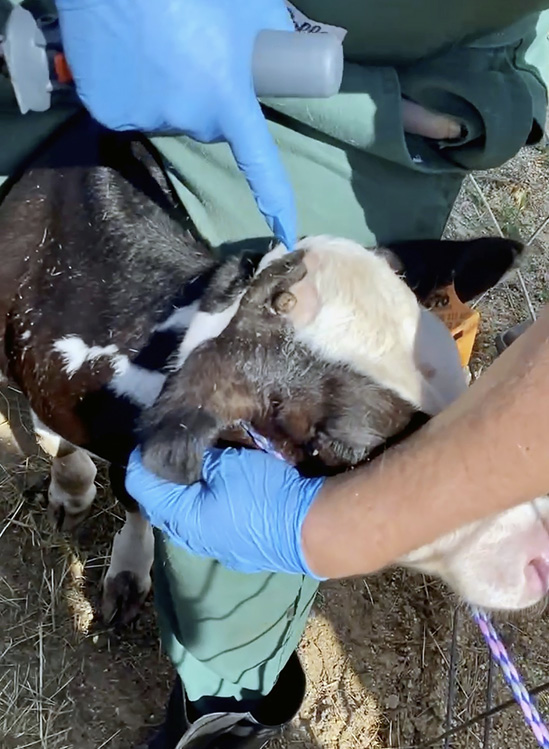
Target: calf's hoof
509,336
67,519
123,597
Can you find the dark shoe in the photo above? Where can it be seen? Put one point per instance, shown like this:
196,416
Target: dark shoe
228,731
170,732
504,340
217,723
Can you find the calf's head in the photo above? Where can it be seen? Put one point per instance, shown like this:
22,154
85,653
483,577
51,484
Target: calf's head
329,354
326,353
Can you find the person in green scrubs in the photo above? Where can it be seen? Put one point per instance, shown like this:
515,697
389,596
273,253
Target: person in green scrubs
351,165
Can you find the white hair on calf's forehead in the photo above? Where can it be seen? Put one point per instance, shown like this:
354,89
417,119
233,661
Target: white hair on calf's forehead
369,318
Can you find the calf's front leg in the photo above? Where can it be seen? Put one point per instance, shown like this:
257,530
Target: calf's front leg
127,582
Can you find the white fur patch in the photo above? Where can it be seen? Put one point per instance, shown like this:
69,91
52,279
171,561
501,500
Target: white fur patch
76,353
180,319
205,326
370,319
140,385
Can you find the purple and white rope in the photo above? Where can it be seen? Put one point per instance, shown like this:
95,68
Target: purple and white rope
512,677
493,640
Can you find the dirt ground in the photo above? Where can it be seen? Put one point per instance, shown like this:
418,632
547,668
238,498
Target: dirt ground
376,650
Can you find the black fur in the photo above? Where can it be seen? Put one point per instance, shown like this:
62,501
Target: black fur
473,265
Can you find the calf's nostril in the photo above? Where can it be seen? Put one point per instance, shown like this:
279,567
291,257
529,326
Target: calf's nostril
537,573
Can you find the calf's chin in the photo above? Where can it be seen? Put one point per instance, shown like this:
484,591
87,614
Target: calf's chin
500,563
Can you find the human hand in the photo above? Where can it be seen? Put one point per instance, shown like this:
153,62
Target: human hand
247,511
418,120
182,67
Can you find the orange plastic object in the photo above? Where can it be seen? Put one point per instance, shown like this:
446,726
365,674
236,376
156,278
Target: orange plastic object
461,320
62,70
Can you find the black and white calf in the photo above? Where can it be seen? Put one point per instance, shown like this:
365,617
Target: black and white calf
119,326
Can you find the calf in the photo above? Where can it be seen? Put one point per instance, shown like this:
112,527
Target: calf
120,327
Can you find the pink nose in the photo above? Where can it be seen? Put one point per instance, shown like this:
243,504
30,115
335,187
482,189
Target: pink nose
537,575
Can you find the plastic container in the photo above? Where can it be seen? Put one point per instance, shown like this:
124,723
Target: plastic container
284,63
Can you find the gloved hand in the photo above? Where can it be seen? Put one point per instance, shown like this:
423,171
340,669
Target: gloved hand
161,66
247,512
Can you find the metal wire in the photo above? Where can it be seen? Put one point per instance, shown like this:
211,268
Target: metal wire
452,677
443,739
476,719
489,695
513,677
490,711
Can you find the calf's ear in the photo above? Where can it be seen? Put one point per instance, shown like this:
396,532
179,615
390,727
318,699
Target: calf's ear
206,396
473,266
173,443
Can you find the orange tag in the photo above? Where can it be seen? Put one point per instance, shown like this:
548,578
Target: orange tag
460,319
62,70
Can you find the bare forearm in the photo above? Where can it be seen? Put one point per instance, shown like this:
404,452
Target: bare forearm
484,454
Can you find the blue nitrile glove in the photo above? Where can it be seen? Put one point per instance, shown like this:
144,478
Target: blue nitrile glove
247,512
182,66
